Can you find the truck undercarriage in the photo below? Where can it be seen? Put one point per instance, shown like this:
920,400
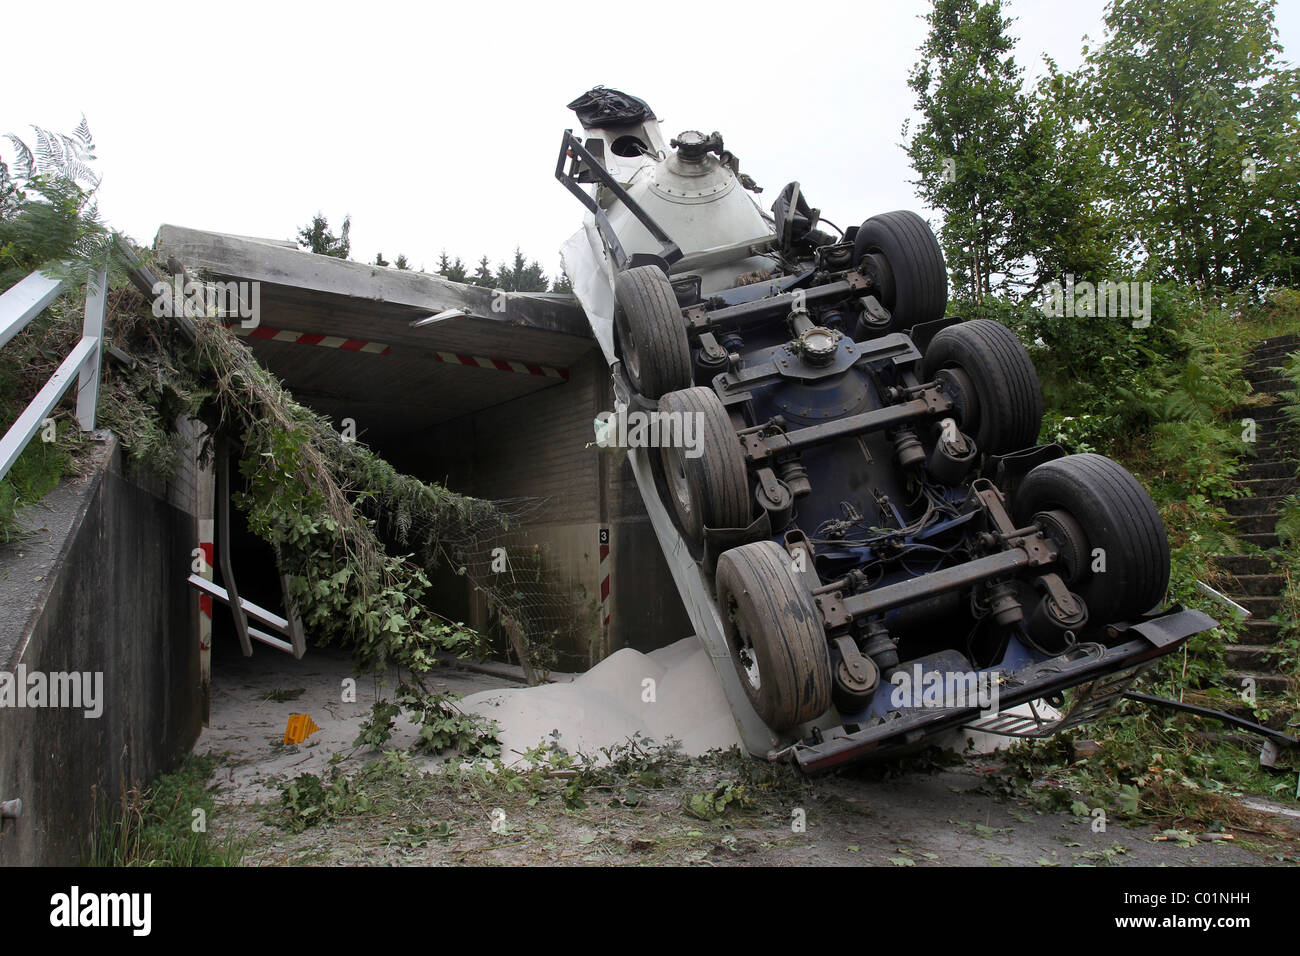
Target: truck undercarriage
866,515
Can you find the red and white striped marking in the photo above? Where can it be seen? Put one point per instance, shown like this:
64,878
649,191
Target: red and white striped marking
604,580
379,348
205,600
502,365
309,338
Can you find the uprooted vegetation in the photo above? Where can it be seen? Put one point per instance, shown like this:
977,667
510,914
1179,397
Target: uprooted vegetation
638,801
641,803
356,538
330,508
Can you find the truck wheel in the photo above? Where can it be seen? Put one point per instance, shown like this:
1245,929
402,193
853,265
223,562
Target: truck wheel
907,265
650,332
775,635
1123,570
1007,409
710,489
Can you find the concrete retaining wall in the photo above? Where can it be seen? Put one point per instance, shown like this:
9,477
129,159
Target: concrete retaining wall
100,590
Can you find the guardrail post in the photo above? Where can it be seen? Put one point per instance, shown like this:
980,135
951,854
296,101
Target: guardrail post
92,328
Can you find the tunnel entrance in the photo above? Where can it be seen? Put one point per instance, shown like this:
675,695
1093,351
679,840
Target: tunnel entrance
491,402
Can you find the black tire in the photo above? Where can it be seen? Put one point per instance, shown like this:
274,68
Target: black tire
1008,402
775,635
1115,514
650,332
915,289
711,490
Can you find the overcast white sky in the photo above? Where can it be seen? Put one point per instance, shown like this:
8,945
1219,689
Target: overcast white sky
438,126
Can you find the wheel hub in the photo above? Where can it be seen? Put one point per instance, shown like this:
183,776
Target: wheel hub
818,346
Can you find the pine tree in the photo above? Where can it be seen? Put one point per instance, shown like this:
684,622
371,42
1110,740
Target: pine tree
316,237
521,275
455,271
483,274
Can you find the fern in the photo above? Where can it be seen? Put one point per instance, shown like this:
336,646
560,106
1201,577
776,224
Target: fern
25,165
82,132
57,156
1291,371
48,212
402,523
1288,523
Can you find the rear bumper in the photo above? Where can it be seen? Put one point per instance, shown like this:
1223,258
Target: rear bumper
1088,664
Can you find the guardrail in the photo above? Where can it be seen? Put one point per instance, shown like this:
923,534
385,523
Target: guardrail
26,300
18,306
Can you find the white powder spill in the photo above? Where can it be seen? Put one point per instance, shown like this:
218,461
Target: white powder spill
669,693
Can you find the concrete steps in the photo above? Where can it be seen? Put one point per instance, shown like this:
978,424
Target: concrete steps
1270,385
1275,468
1255,505
1269,487
1256,585
1239,564
1259,633
1267,683
1269,433
1245,658
1265,542
1263,414
1235,709
1256,524
1266,480
1259,607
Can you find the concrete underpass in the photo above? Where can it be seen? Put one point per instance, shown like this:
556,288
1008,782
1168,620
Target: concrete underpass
496,402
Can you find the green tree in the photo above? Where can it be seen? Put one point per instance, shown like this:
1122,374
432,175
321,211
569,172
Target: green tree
380,260
969,146
483,274
1199,122
316,237
1063,222
521,275
455,271
401,263
562,284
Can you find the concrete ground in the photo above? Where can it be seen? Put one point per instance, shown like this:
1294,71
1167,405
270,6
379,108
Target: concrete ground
252,698
919,815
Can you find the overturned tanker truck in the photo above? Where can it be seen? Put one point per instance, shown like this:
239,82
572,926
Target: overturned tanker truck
867,504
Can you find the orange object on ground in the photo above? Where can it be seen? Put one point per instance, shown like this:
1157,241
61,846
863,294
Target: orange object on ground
299,728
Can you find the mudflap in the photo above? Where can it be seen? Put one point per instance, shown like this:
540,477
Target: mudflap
718,540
